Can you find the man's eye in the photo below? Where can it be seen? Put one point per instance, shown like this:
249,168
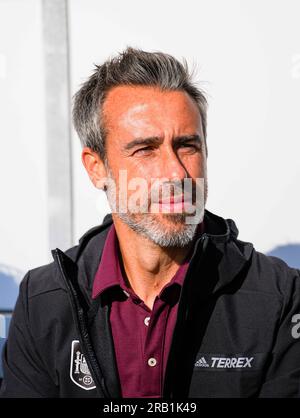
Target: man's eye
144,150
189,146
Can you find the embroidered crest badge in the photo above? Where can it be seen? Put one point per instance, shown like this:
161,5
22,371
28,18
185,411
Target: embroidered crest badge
79,371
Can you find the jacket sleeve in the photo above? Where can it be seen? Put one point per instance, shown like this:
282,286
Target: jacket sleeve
25,375
283,374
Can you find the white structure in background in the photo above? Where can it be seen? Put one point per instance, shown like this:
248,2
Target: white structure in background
35,159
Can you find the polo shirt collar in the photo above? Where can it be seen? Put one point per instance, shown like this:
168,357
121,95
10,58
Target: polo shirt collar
109,272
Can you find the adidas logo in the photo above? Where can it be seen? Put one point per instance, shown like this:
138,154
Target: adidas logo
201,363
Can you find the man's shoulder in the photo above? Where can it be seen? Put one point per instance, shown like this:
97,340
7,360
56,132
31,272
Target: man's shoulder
275,264
273,274
45,278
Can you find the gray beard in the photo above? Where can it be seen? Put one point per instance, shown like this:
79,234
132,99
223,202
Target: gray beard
149,227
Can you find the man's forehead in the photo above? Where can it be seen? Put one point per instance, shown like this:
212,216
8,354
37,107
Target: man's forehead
138,105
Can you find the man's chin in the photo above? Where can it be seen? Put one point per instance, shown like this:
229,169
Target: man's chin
167,222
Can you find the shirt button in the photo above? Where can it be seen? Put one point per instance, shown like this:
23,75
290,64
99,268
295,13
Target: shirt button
146,320
152,362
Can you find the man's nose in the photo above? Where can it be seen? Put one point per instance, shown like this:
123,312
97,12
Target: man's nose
172,167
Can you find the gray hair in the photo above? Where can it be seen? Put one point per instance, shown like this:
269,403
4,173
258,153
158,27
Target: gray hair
133,67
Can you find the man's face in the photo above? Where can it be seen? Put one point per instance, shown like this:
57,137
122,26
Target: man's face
155,136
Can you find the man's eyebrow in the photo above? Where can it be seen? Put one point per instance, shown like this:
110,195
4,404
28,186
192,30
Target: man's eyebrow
156,140
153,140
187,138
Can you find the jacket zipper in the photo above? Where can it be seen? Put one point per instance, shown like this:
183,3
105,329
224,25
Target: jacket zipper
80,323
204,239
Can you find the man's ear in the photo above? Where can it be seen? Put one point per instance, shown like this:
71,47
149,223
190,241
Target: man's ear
95,167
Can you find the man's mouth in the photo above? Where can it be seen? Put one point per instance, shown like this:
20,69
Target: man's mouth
175,204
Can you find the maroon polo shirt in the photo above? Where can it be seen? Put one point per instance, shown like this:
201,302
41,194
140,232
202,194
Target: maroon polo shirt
142,337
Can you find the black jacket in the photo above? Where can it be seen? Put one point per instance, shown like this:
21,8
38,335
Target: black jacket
236,333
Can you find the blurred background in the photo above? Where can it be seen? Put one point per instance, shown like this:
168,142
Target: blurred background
247,58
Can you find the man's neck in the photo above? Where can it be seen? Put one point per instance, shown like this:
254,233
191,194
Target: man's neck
147,266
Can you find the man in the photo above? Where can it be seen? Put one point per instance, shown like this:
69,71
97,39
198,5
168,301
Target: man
162,299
